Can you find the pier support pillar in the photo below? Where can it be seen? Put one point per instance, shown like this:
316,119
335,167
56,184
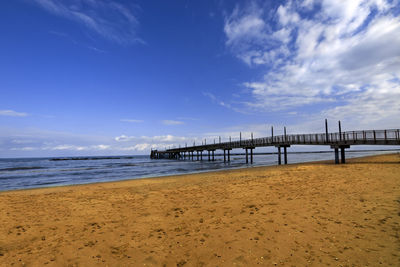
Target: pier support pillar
285,160
229,155
279,156
224,155
342,153
251,155
285,154
213,156
197,155
201,155
336,155
209,155
192,155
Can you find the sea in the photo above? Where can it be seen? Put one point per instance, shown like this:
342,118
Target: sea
25,173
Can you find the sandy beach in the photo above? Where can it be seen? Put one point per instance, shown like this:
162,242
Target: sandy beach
309,214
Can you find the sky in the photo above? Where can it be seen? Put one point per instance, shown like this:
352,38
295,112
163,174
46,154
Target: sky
115,77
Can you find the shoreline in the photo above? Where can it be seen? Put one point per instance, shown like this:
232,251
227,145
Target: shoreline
348,160
314,213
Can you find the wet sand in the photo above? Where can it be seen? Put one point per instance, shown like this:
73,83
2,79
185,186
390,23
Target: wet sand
305,214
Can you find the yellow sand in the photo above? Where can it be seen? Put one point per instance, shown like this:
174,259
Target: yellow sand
308,214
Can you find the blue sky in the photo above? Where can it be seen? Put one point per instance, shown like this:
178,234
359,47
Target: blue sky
85,77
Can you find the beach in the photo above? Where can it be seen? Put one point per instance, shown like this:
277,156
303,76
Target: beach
309,214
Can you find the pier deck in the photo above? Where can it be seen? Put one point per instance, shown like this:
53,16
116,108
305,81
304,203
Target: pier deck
339,140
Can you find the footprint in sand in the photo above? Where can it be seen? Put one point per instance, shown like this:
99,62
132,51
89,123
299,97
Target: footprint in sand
160,233
181,263
178,212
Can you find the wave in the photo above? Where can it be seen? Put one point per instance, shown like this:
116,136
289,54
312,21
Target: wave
89,158
22,168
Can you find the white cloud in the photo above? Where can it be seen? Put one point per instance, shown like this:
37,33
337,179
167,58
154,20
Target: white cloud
27,148
131,120
66,147
140,147
221,103
172,122
159,138
12,113
210,95
76,147
345,55
110,19
287,16
141,143
22,141
101,147
124,138
214,99
247,26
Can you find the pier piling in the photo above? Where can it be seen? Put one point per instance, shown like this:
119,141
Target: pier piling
342,155
336,155
279,156
285,154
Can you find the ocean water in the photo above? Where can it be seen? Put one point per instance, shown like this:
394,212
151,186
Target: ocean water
23,173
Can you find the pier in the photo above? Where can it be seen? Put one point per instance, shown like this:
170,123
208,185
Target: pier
338,141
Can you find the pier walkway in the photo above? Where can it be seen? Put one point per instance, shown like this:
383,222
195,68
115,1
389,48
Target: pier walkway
337,141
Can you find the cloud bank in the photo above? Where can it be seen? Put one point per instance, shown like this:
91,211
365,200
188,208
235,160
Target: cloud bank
341,58
36,142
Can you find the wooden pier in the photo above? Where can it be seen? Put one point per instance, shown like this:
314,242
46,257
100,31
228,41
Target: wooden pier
337,141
